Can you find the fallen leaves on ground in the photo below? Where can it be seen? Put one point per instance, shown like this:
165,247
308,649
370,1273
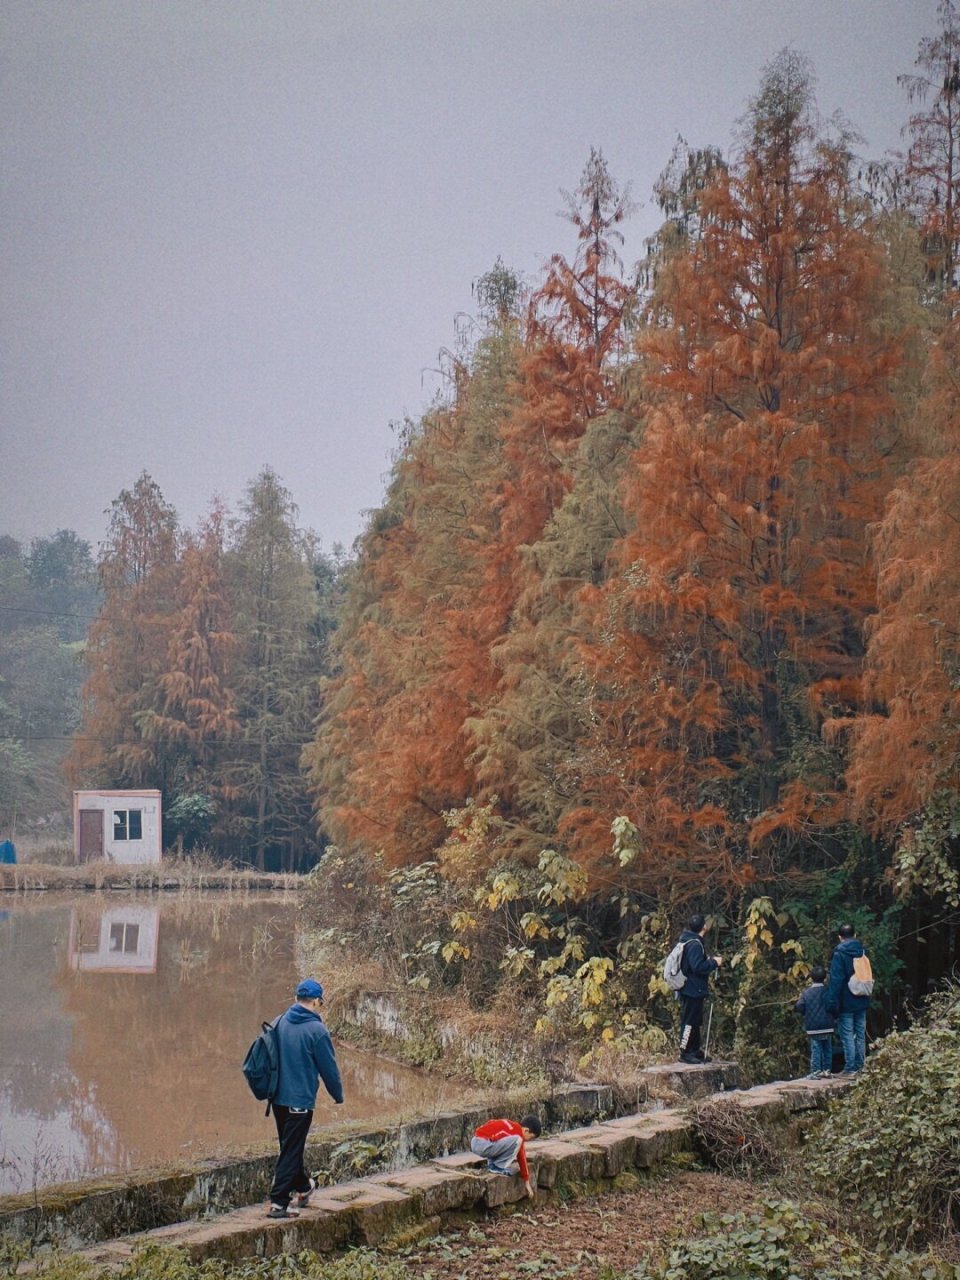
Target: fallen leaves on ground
582,1238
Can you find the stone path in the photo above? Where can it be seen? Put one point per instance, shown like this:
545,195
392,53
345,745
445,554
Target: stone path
369,1210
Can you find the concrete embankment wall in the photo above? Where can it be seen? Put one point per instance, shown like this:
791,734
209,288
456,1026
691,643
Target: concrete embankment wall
79,1214
368,1211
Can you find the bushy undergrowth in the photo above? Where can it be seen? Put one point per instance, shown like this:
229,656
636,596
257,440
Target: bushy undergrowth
779,1243
782,1243
153,1263
581,966
893,1144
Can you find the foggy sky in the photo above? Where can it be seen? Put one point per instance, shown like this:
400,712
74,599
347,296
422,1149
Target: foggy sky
237,233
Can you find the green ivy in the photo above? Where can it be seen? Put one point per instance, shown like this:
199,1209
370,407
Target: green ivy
926,858
894,1141
780,1243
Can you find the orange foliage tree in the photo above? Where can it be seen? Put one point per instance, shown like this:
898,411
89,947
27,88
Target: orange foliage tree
421,709
730,628
569,380
196,713
391,755
905,771
127,646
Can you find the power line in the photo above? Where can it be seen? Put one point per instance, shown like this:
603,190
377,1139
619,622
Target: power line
155,741
47,613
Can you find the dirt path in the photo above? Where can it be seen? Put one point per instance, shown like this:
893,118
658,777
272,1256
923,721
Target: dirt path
582,1238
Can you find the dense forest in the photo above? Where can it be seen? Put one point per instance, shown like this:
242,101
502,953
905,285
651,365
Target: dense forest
48,598
660,607
183,660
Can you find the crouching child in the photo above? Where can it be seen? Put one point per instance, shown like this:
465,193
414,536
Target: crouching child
501,1142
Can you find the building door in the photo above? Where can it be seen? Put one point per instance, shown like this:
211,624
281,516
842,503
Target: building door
91,835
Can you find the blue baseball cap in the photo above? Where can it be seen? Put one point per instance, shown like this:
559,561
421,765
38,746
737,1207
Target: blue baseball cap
309,989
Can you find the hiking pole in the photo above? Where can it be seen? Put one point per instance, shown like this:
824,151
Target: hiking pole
706,1042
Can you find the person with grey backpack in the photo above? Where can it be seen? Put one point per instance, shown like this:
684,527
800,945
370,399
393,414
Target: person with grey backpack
695,967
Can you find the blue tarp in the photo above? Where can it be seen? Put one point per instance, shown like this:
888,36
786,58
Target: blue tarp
7,851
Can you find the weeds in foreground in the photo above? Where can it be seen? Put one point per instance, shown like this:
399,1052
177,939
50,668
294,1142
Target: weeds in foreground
783,1243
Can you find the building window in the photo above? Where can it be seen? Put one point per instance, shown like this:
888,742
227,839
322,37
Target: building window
128,824
125,938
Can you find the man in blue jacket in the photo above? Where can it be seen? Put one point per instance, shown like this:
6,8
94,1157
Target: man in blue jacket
849,1010
696,967
306,1054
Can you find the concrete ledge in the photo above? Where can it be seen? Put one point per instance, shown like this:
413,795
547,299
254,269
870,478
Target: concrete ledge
617,1147
437,1190
75,1215
684,1080
482,1189
559,1162
244,1233
572,1103
376,1211
369,1210
662,1135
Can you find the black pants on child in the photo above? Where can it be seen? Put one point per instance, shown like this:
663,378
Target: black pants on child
290,1174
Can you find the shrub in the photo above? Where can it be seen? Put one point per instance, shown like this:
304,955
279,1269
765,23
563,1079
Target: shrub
782,1244
153,1263
893,1143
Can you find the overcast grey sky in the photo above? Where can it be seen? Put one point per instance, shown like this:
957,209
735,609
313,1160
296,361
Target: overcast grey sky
237,232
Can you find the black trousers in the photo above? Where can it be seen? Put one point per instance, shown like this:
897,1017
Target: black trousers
691,1020
290,1175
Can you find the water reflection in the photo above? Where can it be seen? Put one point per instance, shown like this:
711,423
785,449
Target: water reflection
123,939
123,1024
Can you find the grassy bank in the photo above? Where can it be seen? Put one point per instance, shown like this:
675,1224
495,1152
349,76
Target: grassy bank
169,875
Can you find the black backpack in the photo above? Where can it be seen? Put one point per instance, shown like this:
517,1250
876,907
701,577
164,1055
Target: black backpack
261,1066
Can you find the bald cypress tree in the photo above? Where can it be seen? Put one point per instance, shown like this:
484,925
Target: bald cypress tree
932,162
126,646
731,631
562,442
196,710
274,676
392,751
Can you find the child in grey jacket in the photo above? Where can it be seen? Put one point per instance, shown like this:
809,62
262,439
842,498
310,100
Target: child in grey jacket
817,1023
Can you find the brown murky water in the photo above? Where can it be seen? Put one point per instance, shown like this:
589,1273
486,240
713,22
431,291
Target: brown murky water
123,1023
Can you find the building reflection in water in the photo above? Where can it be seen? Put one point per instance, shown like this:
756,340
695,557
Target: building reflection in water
124,940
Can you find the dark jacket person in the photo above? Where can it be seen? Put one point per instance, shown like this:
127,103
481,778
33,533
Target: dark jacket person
696,967
306,1057
850,1010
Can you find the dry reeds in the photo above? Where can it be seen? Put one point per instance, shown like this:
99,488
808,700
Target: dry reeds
733,1139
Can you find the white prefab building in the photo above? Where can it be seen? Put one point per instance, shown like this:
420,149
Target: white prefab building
116,826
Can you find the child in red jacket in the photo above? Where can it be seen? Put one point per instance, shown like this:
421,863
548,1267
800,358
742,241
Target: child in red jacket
500,1142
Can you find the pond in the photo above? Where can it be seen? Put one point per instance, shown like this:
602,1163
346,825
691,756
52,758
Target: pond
123,1023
